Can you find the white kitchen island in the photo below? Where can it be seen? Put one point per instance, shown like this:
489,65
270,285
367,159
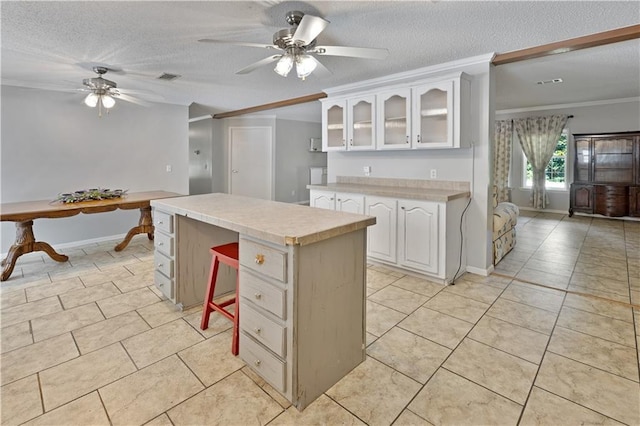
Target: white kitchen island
302,282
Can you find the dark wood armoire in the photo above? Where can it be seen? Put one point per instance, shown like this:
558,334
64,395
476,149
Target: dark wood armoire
606,177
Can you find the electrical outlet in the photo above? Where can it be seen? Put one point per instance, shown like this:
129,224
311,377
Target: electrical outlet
367,170
434,173
293,193
168,168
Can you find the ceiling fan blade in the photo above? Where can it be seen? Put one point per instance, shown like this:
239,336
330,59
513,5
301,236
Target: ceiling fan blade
150,96
354,52
321,70
133,100
309,28
239,43
258,64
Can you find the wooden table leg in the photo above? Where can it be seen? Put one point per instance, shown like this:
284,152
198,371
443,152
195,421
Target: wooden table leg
26,243
145,225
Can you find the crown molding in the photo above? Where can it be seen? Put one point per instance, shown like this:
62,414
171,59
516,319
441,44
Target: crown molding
571,105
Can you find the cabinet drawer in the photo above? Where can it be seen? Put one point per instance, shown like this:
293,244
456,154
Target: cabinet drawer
263,329
263,259
263,294
163,264
164,284
163,243
163,221
267,365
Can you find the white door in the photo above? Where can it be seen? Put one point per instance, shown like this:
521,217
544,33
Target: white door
350,203
250,154
418,235
323,200
381,237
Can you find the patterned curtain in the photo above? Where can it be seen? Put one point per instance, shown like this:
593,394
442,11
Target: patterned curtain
502,158
539,137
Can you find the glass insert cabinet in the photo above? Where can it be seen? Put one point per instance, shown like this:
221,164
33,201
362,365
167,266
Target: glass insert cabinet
606,174
428,114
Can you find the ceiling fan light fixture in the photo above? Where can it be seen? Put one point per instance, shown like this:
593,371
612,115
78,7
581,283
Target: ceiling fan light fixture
91,100
284,65
305,64
107,101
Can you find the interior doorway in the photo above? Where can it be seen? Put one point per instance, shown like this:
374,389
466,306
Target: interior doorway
251,161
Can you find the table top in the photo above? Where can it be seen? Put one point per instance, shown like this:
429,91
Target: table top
280,223
29,210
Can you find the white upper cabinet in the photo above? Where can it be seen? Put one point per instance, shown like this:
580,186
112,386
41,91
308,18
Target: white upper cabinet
432,117
393,119
361,118
334,129
431,113
348,124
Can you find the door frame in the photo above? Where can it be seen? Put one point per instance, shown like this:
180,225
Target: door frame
271,155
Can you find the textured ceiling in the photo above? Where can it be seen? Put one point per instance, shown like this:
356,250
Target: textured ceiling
52,45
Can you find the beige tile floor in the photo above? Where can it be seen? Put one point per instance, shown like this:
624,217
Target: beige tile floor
91,342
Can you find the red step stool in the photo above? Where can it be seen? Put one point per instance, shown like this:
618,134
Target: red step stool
227,254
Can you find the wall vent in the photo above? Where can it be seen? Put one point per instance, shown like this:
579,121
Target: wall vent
168,77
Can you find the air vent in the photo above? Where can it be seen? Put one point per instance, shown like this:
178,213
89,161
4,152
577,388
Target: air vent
552,81
168,77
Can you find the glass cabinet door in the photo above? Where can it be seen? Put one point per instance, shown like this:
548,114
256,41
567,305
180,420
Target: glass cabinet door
361,118
583,160
334,131
433,115
394,109
613,160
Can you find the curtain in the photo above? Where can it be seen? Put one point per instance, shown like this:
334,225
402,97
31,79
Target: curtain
539,137
502,158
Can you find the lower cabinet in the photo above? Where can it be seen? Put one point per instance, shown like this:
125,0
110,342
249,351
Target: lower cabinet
343,202
418,235
382,237
581,199
634,201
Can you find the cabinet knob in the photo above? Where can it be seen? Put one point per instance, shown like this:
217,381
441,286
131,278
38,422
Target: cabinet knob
259,259
160,244
257,363
419,139
407,138
402,208
159,222
257,296
159,265
258,330
344,142
351,142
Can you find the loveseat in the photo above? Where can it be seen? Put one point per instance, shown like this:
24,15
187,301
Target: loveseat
505,218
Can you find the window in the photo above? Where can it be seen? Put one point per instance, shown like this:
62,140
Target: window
556,169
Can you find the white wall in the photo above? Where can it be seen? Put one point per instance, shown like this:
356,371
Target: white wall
617,116
464,164
52,143
200,156
293,158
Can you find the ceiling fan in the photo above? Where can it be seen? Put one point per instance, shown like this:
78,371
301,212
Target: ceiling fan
103,92
298,43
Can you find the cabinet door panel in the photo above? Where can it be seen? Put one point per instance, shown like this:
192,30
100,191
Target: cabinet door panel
334,126
382,237
349,203
361,117
418,235
432,115
394,119
323,200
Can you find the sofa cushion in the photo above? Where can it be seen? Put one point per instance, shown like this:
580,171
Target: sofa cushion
505,217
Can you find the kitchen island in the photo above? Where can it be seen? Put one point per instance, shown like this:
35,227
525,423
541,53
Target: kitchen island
302,282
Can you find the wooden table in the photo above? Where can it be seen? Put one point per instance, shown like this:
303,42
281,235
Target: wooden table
24,213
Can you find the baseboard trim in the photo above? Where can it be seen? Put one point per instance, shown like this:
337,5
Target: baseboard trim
480,271
531,209
74,244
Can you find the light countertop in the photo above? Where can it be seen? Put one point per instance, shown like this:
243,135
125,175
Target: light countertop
280,223
426,194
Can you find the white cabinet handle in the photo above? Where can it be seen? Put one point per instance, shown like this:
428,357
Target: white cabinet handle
259,259
257,363
407,138
419,139
258,330
160,244
257,296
